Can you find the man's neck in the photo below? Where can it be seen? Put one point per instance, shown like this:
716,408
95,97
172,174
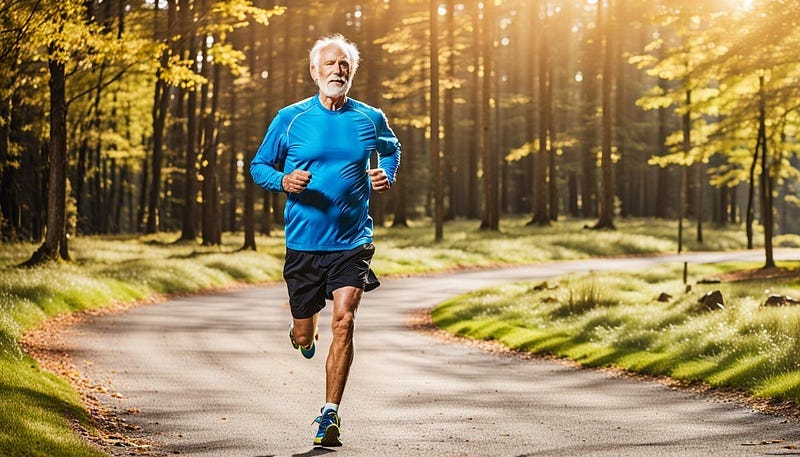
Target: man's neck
332,104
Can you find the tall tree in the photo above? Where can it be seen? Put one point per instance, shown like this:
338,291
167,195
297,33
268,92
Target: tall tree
64,32
541,214
491,216
476,108
160,108
448,164
606,219
438,212
766,179
211,214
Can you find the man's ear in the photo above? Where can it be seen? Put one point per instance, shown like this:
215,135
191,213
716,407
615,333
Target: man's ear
313,71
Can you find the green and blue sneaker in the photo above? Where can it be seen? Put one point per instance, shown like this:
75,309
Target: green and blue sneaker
307,351
328,432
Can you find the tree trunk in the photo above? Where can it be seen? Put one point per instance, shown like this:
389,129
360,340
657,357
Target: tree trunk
401,187
55,242
8,228
81,168
541,215
142,206
766,179
699,204
473,197
160,106
686,124
751,190
529,186
233,168
589,131
436,171
189,213
606,220
124,176
552,169
449,125
491,219
662,178
212,231
248,211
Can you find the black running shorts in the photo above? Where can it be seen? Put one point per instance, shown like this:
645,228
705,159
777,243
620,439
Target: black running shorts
311,277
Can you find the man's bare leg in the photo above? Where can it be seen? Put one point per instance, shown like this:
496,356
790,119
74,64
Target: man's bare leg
340,355
305,330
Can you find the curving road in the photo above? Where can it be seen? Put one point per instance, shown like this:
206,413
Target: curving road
216,376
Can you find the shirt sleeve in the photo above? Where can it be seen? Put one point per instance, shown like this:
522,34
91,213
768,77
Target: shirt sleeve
388,149
267,165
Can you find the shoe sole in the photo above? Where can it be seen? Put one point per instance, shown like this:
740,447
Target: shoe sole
331,437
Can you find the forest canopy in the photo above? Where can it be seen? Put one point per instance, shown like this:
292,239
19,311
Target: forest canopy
141,116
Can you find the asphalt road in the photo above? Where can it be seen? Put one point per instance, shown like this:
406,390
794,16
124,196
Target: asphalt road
216,376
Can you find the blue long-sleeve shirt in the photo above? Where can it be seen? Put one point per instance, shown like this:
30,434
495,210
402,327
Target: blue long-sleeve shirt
332,213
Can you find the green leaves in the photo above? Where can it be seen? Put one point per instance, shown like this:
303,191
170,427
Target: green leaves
718,55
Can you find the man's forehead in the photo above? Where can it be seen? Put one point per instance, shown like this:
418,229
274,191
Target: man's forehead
334,50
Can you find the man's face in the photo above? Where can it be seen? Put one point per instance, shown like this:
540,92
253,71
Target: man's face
333,71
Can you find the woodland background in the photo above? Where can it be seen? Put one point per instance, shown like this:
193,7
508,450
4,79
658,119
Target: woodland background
131,116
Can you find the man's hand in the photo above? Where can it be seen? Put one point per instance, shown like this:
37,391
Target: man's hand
379,180
296,181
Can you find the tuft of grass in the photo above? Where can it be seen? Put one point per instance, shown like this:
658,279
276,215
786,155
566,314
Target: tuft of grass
584,297
615,319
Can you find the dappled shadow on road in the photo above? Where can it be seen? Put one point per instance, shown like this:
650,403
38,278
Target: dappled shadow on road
420,321
216,376
670,448
449,394
605,416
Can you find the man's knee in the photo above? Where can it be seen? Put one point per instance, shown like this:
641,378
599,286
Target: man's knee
344,323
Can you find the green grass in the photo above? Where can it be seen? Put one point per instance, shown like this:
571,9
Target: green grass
108,270
37,411
615,319
413,249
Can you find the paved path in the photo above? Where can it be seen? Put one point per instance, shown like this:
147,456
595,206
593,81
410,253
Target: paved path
215,376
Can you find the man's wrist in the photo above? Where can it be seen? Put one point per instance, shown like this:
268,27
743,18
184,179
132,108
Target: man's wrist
283,187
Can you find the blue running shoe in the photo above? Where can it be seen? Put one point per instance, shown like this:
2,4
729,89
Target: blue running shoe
328,432
307,351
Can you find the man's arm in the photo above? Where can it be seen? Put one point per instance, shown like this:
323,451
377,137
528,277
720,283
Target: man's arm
388,150
267,165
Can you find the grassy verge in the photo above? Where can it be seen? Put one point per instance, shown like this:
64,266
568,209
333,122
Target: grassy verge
615,319
39,412
110,270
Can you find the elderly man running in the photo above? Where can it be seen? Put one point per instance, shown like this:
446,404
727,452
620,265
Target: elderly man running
317,151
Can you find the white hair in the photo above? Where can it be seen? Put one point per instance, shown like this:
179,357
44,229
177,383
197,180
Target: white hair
338,39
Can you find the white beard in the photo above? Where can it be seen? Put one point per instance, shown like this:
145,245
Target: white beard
333,90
